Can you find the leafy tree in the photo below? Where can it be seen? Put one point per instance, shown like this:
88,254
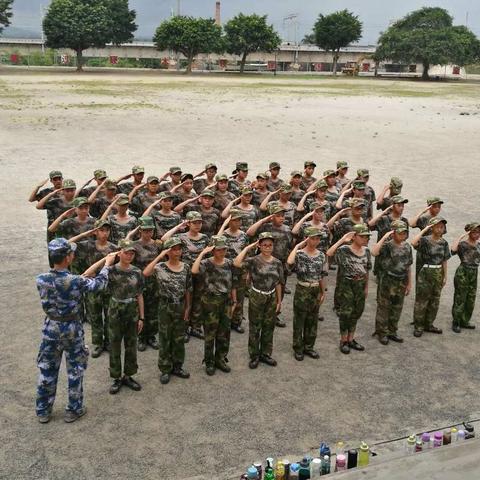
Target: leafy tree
189,36
80,24
245,34
5,13
335,31
427,36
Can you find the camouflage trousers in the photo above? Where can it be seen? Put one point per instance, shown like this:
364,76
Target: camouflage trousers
97,314
59,337
350,303
171,331
241,287
122,327
196,311
390,298
427,297
465,282
261,323
305,317
216,325
150,298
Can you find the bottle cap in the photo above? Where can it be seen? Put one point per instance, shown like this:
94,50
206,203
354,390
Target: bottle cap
438,435
252,472
316,461
412,439
425,437
454,430
461,433
294,467
341,459
364,447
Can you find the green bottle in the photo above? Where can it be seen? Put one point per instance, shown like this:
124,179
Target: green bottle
363,455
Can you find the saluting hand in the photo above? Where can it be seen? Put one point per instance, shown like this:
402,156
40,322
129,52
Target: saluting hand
110,259
348,237
40,185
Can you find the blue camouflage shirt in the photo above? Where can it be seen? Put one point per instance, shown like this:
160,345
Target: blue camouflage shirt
61,291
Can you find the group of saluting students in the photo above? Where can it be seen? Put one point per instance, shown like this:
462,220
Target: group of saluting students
181,252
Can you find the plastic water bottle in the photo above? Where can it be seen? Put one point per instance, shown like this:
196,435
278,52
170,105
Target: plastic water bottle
437,439
326,465
294,469
410,446
341,462
461,435
426,440
304,472
352,459
315,468
280,471
453,434
364,455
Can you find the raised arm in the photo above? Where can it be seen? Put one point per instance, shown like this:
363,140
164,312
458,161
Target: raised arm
226,210
107,260
301,203
252,231
382,195
80,236
293,253
378,246
41,204
124,177
456,243
378,216
337,216
33,195
131,233
150,268
135,191
179,208
56,223
147,212
85,185
94,194
416,239
170,233
345,239
413,221
109,209
339,203
224,225
198,260
264,205
296,229
240,258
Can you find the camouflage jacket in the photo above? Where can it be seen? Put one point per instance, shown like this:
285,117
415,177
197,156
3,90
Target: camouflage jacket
217,279
469,255
396,259
192,248
124,284
121,230
173,286
71,227
146,252
433,253
265,276
310,269
350,265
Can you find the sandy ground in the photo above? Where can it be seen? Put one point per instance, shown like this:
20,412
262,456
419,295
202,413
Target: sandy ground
213,427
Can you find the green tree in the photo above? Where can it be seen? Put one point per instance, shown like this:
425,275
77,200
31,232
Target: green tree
5,13
189,36
80,24
246,34
335,31
427,36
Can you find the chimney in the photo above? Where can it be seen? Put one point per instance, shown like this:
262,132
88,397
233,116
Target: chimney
217,13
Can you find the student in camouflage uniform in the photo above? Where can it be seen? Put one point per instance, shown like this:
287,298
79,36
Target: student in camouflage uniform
174,280
222,195
308,179
99,176
432,275
352,215
309,264
96,303
468,249
260,189
274,224
61,294
125,317
333,193
146,249
175,174
217,301
318,194
165,218
102,197
184,191
251,213
122,222
274,182
237,240
357,190
315,218
239,179
351,290
56,202
342,170
138,173
296,183
80,221
265,301
289,208
363,175
143,195
396,281
56,179
394,188
200,184
194,242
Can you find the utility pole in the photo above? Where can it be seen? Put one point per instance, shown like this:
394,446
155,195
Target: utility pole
42,16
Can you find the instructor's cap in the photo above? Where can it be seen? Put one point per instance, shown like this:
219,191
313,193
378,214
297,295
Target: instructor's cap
126,245
61,246
433,200
361,229
399,226
55,174
138,169
193,216
98,174
69,183
79,201
146,223
218,241
398,199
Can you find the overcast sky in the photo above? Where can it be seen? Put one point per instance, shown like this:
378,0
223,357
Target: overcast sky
374,14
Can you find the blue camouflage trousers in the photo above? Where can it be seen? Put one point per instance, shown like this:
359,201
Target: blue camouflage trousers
59,337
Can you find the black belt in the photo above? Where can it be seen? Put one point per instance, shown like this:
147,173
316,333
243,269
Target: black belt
397,276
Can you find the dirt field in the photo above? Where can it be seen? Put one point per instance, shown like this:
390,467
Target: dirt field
213,427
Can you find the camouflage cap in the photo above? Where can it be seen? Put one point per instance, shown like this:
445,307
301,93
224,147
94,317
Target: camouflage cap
138,169
359,185
274,165
399,226
102,223
122,199
220,177
266,236
193,216
79,201
98,174
210,165
396,182
329,173
153,179
435,220
263,175
363,172
318,205
286,188
321,184
208,193
357,202
342,164
126,245
165,195
433,200
275,208
242,166
146,223
313,232
69,183
246,191
361,229
110,185
218,241
55,174
296,173
61,246
470,227
186,176
309,163
175,170
398,199
172,242
236,213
